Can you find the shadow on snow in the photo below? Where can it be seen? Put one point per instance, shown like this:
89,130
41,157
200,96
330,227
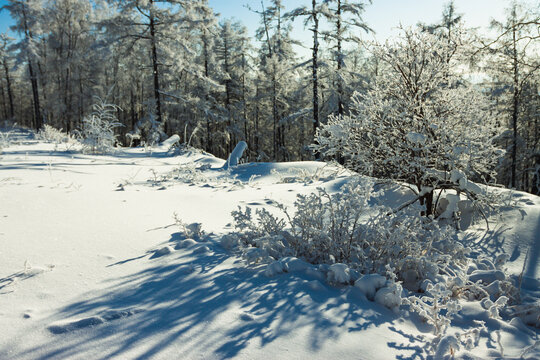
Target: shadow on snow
177,299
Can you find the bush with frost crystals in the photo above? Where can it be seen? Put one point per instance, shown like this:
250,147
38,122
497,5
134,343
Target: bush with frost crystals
344,228
437,309
52,135
5,140
97,133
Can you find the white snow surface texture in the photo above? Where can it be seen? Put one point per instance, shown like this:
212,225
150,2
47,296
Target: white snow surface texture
93,266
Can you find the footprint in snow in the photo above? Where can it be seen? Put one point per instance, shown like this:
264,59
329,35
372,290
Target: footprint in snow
246,317
66,326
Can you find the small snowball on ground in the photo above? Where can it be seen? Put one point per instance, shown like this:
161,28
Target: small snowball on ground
338,274
369,284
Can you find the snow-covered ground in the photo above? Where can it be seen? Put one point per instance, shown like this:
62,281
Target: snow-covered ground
94,266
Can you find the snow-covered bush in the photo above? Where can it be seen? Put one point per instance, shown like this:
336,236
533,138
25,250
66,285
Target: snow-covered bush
437,308
97,133
148,130
51,134
344,228
57,137
190,231
5,140
420,123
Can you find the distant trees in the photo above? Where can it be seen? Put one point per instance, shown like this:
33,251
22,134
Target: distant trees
173,67
345,17
514,67
26,14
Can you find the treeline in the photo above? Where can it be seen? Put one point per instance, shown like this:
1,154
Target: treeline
174,67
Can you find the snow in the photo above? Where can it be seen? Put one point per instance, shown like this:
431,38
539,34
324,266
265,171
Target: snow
91,272
171,141
236,154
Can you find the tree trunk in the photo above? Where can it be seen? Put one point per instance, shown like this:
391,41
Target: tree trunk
155,69
315,67
9,90
38,123
339,60
427,200
4,105
514,109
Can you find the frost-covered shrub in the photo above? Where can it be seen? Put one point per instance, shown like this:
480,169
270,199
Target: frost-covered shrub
97,132
437,308
57,137
148,130
5,140
190,231
51,134
344,228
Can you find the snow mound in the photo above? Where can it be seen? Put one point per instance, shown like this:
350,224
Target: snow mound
316,285
390,296
230,242
338,274
236,154
203,249
487,276
171,141
166,250
254,255
369,284
185,244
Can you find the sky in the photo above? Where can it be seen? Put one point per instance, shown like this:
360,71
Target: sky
383,16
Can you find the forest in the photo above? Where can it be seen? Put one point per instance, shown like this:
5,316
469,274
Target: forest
174,67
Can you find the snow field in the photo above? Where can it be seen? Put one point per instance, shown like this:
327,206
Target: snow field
89,271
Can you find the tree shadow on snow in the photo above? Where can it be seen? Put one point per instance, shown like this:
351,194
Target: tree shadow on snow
197,298
412,343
